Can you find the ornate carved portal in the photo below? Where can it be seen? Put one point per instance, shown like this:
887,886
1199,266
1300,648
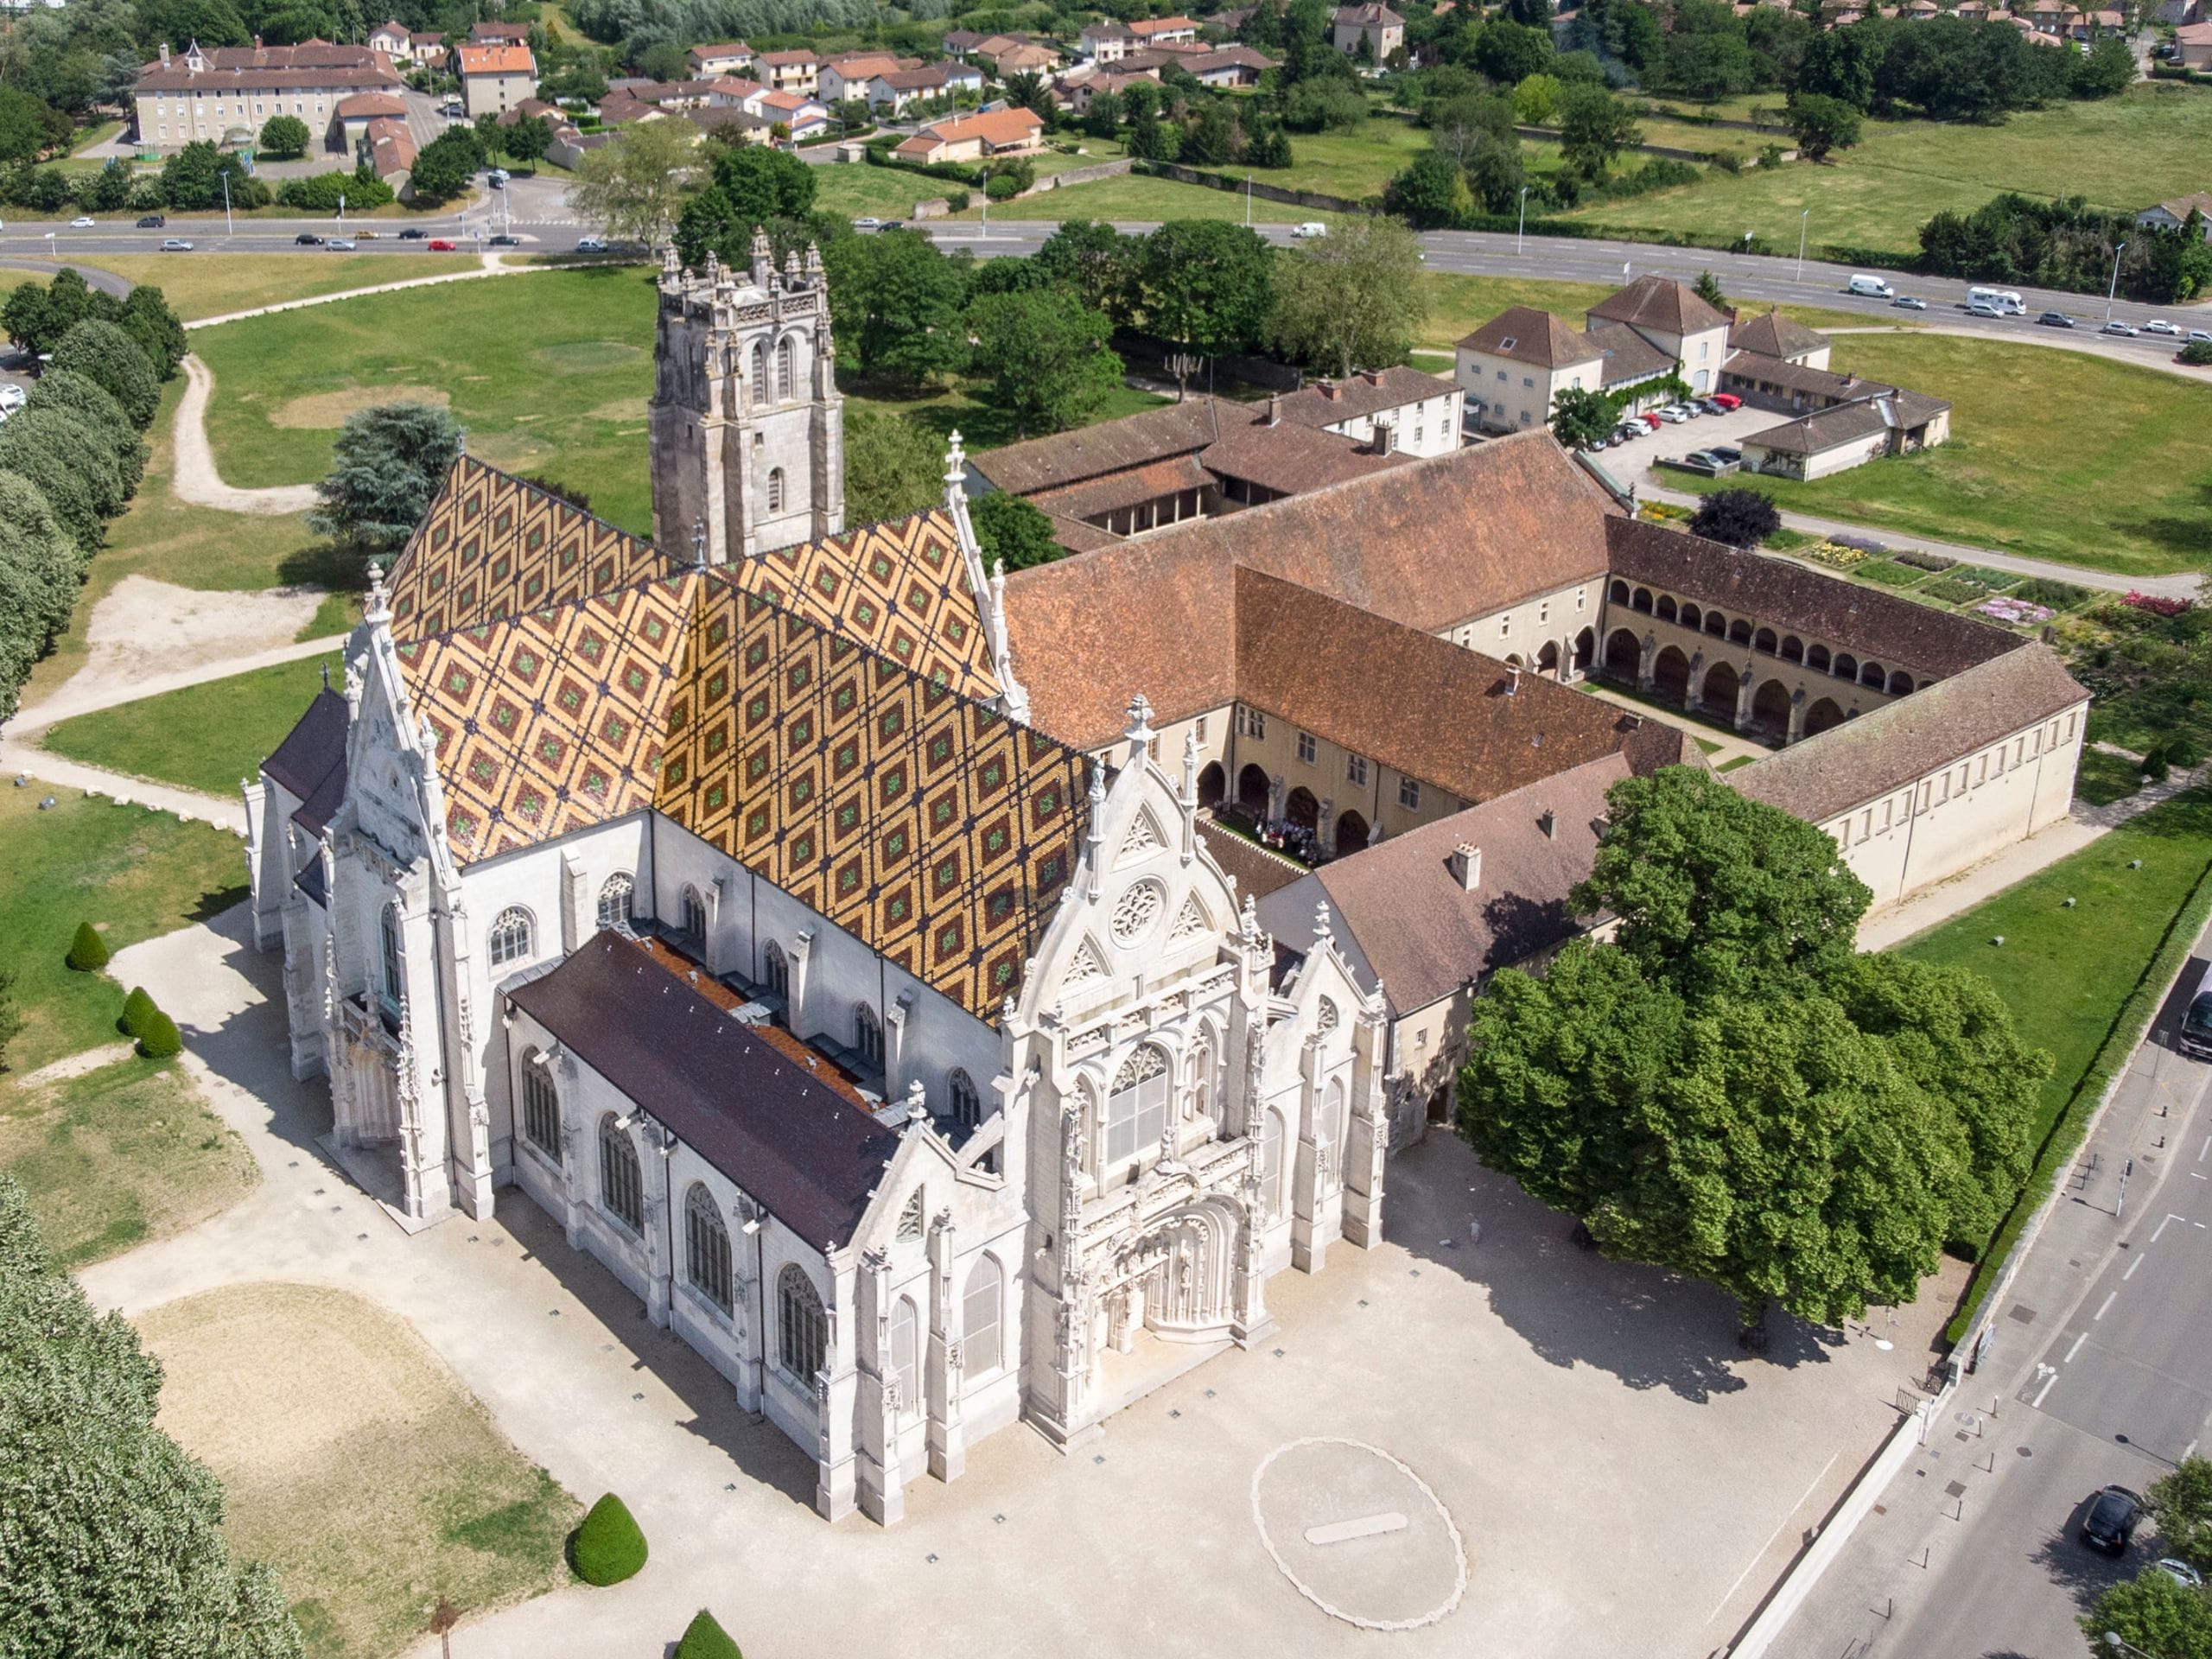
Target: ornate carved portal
1178,1280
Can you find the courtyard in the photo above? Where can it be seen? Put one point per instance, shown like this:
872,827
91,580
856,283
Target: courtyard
1462,1438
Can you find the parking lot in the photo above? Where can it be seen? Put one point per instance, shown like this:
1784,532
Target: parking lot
1628,462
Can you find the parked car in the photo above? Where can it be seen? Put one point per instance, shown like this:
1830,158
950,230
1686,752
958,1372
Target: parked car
1650,419
1909,302
341,245
502,240
175,244
153,222
307,239
2054,320
83,222
590,245
13,397
413,233
1705,458
2160,325
2182,1573
2116,326
1729,453
2111,1520
868,222
1728,400
893,224
1674,415
1985,309
439,244
1312,230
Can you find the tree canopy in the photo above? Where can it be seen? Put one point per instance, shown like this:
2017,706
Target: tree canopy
285,135
386,467
1207,285
894,465
1045,355
632,185
1010,529
1352,299
1738,516
1728,1089
110,359
898,303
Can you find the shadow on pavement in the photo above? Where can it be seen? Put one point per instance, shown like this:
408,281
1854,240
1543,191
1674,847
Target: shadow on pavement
2084,1574
1649,1328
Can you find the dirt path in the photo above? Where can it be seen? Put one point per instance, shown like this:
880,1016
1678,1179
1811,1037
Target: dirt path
197,482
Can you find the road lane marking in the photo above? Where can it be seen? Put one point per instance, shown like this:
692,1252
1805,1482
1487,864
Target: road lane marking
2036,1404
2136,1263
1367,1526
2206,1147
2110,1298
2075,1348
2162,1225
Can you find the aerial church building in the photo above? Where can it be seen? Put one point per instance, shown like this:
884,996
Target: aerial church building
854,949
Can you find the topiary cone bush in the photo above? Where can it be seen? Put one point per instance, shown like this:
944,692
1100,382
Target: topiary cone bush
608,1547
87,951
138,1008
704,1639
159,1039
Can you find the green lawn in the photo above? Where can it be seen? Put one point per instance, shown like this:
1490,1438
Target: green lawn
204,737
131,872
2055,453
1138,197
215,284
2126,152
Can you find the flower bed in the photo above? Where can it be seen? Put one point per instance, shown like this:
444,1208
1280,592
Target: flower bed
2020,612
2154,604
1889,573
1835,555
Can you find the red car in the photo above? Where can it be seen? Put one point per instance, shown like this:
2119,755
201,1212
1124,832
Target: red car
439,244
1728,400
1650,418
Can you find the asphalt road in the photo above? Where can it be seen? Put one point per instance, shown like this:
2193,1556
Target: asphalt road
536,211
2100,1372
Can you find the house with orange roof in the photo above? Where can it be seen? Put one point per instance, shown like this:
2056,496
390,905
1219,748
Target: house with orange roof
972,137
495,77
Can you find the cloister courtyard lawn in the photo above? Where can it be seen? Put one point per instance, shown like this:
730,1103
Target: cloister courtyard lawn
204,737
354,1463
2055,453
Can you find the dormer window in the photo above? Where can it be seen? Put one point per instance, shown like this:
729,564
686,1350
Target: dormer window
1508,343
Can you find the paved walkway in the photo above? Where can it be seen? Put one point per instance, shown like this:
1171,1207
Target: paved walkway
20,760
68,701
196,479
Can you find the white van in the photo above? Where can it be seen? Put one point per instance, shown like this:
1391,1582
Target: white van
2007,301
1872,287
1312,229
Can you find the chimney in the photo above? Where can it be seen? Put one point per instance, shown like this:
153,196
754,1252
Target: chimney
1466,867
1547,820
1373,377
1330,389
165,54
1274,409
1512,679
256,43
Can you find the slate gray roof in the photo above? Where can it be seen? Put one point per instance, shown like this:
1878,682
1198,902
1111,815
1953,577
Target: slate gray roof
1774,336
1842,423
762,1118
310,763
1888,748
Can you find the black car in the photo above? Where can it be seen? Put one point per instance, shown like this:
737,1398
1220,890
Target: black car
2055,319
153,222
307,239
2111,1520
413,233
503,240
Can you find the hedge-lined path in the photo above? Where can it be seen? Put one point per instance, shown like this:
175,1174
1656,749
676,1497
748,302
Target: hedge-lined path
196,479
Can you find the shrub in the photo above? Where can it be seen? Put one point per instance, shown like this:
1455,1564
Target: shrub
2197,352
2042,590
79,396
87,951
110,359
704,1639
322,192
138,1013
1002,186
608,1547
160,1041
1920,561
957,202
1739,517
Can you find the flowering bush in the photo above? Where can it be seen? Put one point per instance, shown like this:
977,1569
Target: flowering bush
1864,543
1835,555
2154,604
2019,611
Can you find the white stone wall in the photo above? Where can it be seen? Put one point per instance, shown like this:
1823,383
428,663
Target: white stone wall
1425,426
1516,395
1556,618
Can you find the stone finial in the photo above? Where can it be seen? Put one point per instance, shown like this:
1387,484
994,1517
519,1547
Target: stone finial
671,270
955,462
813,260
1323,932
713,269
1248,920
377,613
1140,727
792,268
764,256
917,1105
699,543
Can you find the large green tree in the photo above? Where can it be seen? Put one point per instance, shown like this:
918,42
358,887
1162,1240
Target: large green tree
2182,1504
111,1537
1207,285
386,468
1728,1090
154,327
1013,531
1822,126
284,135
75,394
1094,262
110,359
1352,300
752,185
84,452
2155,1616
632,187
898,304
894,466
1594,128
446,164
1580,416
1044,358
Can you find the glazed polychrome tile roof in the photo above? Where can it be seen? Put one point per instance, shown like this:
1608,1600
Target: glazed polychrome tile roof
763,707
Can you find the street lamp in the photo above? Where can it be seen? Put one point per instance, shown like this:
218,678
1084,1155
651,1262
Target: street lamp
1804,224
1522,227
2119,1644
2117,249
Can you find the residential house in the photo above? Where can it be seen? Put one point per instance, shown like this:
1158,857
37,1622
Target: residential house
898,88
1514,367
495,77
722,58
2172,215
736,92
393,39
1383,31
1022,57
1399,411
1671,316
1229,65
973,137
1076,94
353,115
792,71
803,116
848,76
389,144
428,48
1772,334
1844,436
1106,42
959,42
211,93
498,35
2195,44
1163,31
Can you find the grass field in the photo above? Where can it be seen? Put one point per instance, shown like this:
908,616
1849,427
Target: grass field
204,737
1136,197
354,1463
131,872
2142,147
2058,455
120,1156
855,188
214,284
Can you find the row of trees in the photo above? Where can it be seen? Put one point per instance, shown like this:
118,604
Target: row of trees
1951,69
2068,245
72,458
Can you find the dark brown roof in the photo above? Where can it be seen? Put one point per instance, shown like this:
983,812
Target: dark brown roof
1229,57
1803,377
1773,335
1289,458
1024,469
1422,934
1257,871
1428,545
1661,304
1841,423
1368,392
1789,598
762,1118
1524,334
1627,354
332,76
1438,712
1126,489
313,749
1888,748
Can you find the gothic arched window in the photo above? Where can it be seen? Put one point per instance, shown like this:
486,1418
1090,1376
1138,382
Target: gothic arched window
868,1034
388,940
1202,1069
1136,1107
621,1190
775,489
786,360
706,1247
615,899
967,1104
776,968
1271,1165
695,916
541,1106
903,1370
759,369
979,1316
511,936
802,1331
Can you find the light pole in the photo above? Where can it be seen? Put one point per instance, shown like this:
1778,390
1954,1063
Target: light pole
1248,202
2119,1643
1520,231
2117,249
229,229
1804,225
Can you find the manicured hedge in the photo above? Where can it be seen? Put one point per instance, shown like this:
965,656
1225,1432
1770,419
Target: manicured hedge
87,951
138,1010
161,1039
608,1547
705,1639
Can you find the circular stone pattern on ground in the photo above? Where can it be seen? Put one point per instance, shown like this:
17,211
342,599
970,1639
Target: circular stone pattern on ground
1360,1534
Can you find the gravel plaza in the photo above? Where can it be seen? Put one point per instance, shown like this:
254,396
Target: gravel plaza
1501,1446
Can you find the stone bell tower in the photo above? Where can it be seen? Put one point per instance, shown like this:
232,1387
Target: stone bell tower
747,428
